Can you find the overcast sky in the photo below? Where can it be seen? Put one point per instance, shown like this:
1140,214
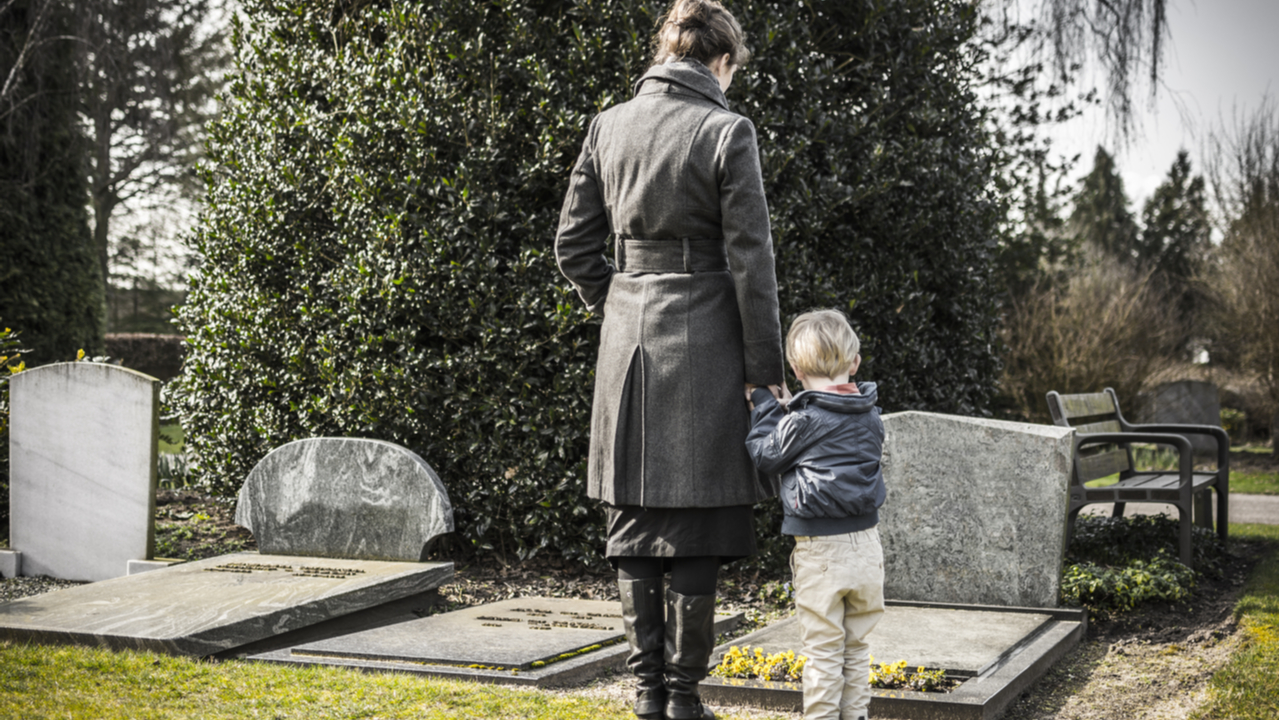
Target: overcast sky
1221,53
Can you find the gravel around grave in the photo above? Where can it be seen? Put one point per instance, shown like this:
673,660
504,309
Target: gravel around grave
1152,663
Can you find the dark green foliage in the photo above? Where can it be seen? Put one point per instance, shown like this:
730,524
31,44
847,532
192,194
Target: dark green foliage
11,363
1115,564
1175,234
1115,589
1114,541
384,188
52,288
1101,215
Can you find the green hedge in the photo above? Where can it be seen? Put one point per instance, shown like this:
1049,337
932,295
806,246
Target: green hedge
50,286
384,188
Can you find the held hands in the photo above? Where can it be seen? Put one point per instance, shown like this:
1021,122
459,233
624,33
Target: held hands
779,392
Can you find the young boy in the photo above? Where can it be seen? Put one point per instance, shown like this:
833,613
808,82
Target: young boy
826,447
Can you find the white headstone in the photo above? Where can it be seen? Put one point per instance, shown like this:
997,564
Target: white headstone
975,510
82,469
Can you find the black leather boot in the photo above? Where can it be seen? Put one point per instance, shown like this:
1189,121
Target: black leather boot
690,638
642,617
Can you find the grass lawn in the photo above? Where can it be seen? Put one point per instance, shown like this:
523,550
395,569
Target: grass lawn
171,438
1247,688
72,682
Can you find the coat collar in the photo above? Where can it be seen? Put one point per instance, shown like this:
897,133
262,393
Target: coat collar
689,74
864,401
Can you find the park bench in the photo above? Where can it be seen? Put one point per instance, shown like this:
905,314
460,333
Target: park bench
1103,447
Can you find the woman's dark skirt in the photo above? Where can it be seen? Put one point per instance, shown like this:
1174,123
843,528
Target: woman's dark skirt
724,532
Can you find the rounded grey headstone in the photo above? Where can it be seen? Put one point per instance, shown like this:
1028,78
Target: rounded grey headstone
344,498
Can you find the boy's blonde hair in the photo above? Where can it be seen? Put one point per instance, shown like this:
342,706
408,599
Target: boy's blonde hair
821,343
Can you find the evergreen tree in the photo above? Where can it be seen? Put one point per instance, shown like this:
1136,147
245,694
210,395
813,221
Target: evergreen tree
1175,234
53,292
1101,216
1175,222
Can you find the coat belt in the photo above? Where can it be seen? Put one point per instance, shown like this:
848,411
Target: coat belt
676,255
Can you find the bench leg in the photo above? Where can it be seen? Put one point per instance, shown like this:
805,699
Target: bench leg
1184,534
1118,510
1203,509
1221,490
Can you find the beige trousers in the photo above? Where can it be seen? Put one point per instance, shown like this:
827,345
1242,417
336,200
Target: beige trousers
839,587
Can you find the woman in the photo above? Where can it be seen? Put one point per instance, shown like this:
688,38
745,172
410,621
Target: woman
690,318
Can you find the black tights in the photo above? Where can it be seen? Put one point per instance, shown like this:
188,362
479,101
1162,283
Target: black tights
689,575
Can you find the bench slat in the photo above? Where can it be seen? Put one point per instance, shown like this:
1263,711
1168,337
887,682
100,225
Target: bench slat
1098,427
1092,467
1087,404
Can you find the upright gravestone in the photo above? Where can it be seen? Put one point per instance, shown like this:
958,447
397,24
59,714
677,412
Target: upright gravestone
335,519
976,509
82,473
1185,402
344,498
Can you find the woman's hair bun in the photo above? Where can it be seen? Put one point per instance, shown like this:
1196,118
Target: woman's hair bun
701,30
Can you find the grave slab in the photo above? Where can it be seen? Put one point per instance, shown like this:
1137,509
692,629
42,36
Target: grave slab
211,606
344,498
975,511
526,641
82,477
996,652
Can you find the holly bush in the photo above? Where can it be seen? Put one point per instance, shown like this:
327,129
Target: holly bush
383,191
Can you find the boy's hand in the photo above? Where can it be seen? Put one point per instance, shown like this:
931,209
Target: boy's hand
783,394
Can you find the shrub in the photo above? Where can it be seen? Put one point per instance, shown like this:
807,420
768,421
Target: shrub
159,356
385,183
1115,564
52,288
1105,326
11,363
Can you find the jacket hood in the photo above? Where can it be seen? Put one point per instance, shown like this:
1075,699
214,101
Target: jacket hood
689,74
864,401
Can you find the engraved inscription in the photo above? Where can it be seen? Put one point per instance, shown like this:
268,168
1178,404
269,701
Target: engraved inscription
332,573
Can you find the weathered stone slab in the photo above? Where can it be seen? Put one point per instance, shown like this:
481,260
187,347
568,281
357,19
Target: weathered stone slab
976,509
526,641
994,652
1187,402
344,498
210,606
82,473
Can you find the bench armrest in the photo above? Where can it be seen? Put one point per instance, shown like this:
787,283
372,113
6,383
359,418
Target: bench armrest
1119,438
1220,435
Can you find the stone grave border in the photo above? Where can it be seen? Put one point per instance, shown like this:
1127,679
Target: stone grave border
982,696
580,667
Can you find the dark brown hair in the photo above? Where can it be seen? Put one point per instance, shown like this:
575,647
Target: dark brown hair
700,30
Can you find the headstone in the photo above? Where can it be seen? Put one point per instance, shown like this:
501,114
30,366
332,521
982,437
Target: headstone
214,605
82,469
1185,402
525,641
993,652
344,498
975,511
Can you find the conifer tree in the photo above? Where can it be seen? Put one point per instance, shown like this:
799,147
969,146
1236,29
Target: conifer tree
1101,216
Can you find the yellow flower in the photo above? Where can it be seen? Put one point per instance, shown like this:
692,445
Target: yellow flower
80,354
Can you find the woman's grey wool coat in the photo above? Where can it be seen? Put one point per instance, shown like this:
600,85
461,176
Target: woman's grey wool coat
685,323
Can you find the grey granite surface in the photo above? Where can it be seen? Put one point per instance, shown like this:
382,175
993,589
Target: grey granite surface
344,498
210,606
82,473
976,509
507,634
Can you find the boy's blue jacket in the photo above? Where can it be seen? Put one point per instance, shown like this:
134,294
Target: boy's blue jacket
826,447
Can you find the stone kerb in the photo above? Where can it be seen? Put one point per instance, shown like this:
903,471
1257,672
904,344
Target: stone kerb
976,509
344,498
82,450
